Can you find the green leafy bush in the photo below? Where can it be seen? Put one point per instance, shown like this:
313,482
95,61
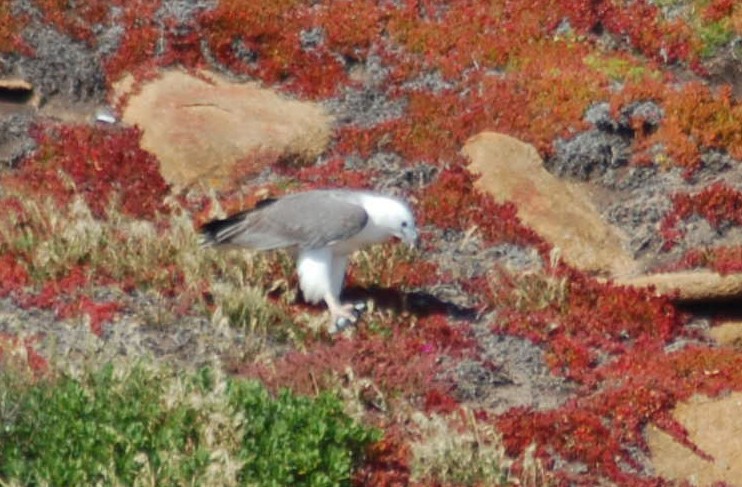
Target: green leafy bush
143,424
295,440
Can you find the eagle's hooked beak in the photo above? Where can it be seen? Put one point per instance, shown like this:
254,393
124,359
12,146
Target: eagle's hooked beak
412,238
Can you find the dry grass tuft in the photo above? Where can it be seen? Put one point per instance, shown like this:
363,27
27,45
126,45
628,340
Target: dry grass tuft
466,454
162,257
532,289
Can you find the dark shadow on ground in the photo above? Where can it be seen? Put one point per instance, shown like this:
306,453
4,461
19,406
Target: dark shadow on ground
722,310
418,303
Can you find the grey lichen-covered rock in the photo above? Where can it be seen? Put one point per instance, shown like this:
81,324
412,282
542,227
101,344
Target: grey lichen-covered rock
640,218
367,105
648,111
15,142
589,154
599,152
394,176
599,115
364,108
61,66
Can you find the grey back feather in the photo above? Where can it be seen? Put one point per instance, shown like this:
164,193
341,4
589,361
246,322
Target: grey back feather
305,220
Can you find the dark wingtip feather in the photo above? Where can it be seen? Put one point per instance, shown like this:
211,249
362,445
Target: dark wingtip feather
210,231
215,232
263,203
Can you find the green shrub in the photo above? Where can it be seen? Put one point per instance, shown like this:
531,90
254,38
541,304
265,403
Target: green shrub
146,425
294,440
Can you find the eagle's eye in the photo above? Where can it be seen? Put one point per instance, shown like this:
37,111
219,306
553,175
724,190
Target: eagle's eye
404,224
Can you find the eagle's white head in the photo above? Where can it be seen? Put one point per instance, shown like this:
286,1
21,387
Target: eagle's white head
392,216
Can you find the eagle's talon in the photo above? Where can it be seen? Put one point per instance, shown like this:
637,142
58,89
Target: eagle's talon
346,315
359,308
342,323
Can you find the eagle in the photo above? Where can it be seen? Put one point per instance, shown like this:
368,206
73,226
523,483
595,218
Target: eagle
322,228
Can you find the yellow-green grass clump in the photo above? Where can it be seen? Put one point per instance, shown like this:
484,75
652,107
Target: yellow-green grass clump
460,450
163,257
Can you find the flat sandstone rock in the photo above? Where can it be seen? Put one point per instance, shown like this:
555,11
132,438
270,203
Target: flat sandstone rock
715,426
562,214
200,127
690,286
727,333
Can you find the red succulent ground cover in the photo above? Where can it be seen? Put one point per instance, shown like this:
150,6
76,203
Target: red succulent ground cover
697,118
719,204
105,166
452,202
724,260
101,163
10,27
609,340
21,355
509,69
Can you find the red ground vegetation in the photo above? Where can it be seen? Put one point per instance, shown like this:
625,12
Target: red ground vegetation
263,39
713,118
452,202
507,69
107,168
542,93
332,174
588,323
660,39
20,355
138,51
724,260
399,360
76,19
601,428
66,297
11,25
13,275
103,165
719,204
611,340
150,38
546,87
388,461
697,118
718,10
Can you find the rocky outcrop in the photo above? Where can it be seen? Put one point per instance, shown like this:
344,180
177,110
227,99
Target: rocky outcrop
727,333
199,127
690,286
560,212
714,425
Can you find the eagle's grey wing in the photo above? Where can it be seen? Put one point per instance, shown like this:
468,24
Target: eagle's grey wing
305,220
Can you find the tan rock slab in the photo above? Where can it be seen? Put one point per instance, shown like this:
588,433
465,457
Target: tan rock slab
561,213
690,286
15,84
715,426
728,333
199,127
